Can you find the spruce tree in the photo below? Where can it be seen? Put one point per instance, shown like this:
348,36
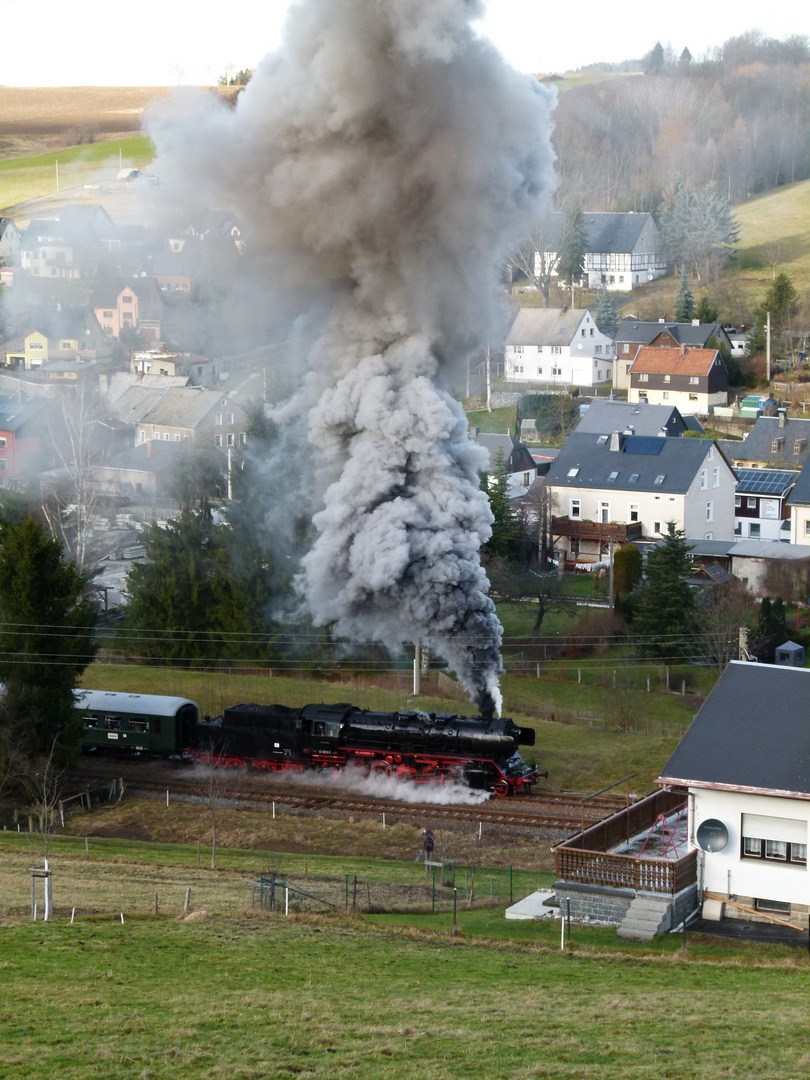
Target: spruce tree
571,265
684,300
47,637
664,619
605,315
504,525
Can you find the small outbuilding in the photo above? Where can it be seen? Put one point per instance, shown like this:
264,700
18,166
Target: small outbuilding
790,654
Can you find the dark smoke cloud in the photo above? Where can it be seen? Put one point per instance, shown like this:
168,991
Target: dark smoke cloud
384,159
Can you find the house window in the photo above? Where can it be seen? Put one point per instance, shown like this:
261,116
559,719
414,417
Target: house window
556,349
625,348
613,477
774,850
799,445
633,477
229,417
693,397
230,438
575,508
604,512
776,445
108,314
754,530
632,512
737,502
644,377
218,419
126,299
704,479
738,528
177,438
167,436
242,438
519,349
217,440
716,476
574,471
660,478
667,378
807,527
657,527
2,443
539,371
694,380
597,348
627,369
778,907
710,511
665,394
518,369
582,332
556,369
751,502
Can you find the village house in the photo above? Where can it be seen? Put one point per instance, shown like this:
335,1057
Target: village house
632,334
9,241
605,415
170,364
557,349
743,765
693,379
129,304
517,460
621,249
761,510
69,334
23,435
774,442
620,488
189,414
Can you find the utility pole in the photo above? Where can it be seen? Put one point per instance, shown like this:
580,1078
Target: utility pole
768,346
489,383
417,669
743,644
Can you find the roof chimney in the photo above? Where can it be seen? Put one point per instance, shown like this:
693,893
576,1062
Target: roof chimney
149,448
682,350
615,441
782,417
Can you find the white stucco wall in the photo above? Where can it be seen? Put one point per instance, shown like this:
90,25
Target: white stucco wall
727,872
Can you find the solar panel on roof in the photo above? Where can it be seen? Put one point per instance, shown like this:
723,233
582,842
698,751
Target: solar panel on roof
764,481
644,444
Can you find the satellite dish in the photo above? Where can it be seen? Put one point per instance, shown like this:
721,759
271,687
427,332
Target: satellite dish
712,835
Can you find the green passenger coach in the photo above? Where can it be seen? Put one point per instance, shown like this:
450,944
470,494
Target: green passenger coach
149,723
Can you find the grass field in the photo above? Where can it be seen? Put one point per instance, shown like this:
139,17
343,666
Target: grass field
227,991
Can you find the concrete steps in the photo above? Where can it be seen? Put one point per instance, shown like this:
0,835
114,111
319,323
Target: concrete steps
646,917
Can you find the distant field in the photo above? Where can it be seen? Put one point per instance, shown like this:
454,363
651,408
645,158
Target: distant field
55,141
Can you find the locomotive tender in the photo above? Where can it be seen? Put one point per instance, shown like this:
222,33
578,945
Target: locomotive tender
418,746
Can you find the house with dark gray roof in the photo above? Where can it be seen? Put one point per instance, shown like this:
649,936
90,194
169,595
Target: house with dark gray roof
23,434
774,442
761,509
517,460
623,488
745,764
621,249
632,334
191,415
604,416
555,349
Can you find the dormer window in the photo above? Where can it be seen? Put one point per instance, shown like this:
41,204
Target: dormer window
660,478
573,472
601,440
613,476
633,477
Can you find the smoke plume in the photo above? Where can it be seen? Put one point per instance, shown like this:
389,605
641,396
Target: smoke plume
383,160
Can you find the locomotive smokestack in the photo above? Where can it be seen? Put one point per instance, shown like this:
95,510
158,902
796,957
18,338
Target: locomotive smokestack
384,160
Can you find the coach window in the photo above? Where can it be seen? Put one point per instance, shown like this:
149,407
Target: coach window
90,721
112,723
138,725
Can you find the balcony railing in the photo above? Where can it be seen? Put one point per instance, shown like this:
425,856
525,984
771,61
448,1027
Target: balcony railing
596,530
586,858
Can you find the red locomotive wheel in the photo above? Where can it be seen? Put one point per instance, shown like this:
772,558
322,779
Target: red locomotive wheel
380,768
405,772
501,788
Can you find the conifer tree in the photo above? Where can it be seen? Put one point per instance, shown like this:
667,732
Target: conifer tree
47,637
664,620
684,300
605,316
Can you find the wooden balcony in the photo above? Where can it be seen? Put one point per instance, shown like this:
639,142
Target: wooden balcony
579,529
587,858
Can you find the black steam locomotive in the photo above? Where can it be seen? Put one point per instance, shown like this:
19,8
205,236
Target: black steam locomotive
417,746
422,747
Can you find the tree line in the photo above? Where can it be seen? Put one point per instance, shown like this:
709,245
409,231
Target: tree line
738,118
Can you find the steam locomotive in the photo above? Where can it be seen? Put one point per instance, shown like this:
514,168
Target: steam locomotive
418,746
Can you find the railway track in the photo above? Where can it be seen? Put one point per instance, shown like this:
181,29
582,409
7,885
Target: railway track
560,811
